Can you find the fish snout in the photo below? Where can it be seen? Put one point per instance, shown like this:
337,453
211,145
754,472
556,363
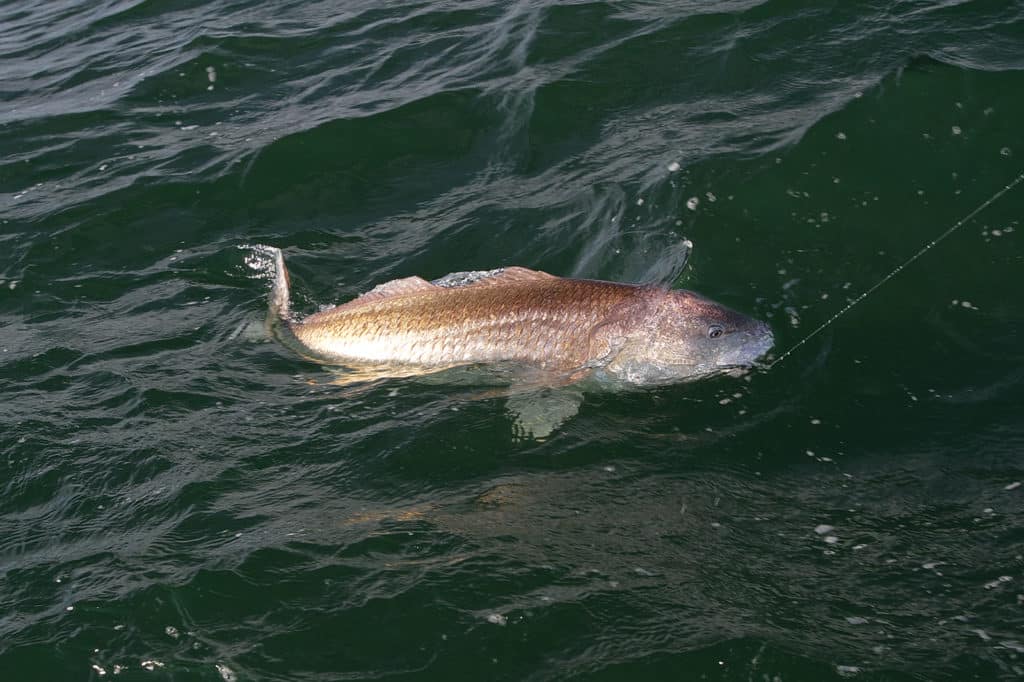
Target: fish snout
748,345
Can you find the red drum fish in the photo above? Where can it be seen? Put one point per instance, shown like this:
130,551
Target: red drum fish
560,328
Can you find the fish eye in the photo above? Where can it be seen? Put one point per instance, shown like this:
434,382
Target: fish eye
714,331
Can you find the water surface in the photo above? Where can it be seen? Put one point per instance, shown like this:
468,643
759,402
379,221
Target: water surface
184,499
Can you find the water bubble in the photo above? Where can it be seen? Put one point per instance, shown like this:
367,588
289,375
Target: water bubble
171,631
823,528
640,202
226,673
794,317
1005,151
1012,486
673,167
692,202
840,136
956,130
497,619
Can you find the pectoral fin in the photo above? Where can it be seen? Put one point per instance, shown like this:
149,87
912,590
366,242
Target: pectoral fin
538,414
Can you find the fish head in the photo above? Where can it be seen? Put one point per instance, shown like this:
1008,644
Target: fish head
683,336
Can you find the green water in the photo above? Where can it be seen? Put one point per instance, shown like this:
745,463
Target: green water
183,499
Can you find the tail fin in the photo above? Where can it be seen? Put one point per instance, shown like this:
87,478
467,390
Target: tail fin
280,305
268,263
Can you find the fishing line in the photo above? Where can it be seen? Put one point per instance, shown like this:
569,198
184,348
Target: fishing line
924,249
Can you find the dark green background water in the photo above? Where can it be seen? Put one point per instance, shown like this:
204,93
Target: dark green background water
183,500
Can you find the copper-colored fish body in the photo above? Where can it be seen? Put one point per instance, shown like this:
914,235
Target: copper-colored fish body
517,315
637,334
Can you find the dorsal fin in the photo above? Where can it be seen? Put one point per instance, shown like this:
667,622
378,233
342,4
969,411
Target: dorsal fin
484,278
396,287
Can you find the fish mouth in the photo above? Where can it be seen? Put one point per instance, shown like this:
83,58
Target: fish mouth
749,347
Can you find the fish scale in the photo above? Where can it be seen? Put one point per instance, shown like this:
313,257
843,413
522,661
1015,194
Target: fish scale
442,328
439,331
